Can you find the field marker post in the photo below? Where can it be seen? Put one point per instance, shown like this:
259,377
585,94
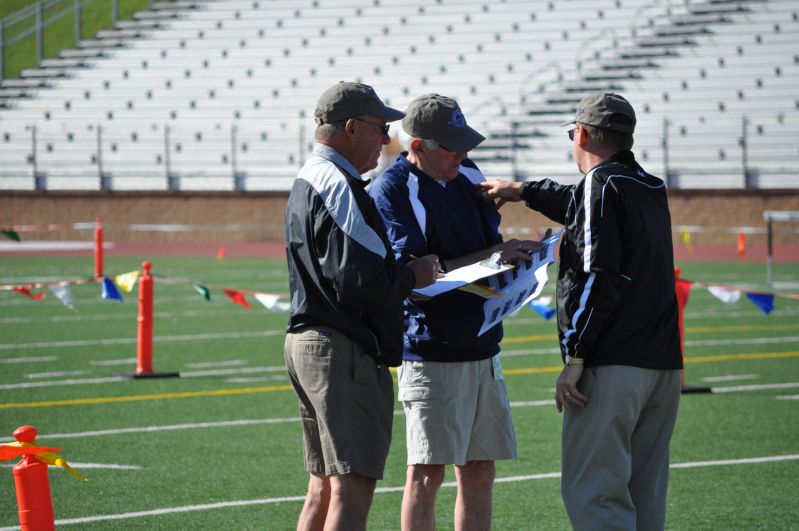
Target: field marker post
144,348
98,249
144,351
32,483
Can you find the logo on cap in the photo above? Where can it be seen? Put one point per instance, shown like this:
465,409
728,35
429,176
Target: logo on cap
457,119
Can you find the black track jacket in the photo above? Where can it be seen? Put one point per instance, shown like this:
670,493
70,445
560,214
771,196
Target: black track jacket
615,290
342,271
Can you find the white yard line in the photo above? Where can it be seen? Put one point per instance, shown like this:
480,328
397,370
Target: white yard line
31,359
756,387
381,490
788,397
133,340
730,378
54,374
103,363
209,364
82,466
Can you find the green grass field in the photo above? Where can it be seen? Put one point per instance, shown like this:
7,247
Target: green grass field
220,447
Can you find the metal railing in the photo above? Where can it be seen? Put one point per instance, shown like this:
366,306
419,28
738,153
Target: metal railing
36,18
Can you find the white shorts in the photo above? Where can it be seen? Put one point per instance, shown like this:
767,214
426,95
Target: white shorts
455,412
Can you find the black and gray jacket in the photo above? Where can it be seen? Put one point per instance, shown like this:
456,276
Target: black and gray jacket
615,290
342,271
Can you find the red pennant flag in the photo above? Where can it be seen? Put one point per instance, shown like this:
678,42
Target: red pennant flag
221,253
27,293
741,245
237,297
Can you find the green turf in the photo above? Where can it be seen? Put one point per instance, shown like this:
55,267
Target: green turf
190,467
59,34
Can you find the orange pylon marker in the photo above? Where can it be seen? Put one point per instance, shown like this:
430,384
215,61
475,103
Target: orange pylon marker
144,349
98,249
31,480
221,254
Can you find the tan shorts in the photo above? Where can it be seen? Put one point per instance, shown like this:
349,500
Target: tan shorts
455,412
346,403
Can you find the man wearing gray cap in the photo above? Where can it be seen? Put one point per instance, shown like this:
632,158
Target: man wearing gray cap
450,381
345,327
617,319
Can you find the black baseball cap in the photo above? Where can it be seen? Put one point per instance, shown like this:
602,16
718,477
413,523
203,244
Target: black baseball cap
348,100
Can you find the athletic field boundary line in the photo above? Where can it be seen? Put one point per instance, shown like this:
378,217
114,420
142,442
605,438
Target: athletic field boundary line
380,490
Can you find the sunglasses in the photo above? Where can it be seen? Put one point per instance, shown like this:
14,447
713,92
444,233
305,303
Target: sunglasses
382,127
571,135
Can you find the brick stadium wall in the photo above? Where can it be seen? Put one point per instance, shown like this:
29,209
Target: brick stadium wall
262,213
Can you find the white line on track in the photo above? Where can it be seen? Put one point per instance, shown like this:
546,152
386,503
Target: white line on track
54,383
31,359
748,341
730,378
787,397
209,364
255,379
110,317
133,340
759,387
81,466
103,363
381,490
111,379
227,372
218,424
54,374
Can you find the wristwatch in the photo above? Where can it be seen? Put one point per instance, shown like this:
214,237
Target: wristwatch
571,360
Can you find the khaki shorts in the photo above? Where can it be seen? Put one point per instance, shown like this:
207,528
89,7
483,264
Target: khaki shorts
346,402
455,412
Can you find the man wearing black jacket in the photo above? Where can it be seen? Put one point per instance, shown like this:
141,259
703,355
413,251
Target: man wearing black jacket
617,320
346,318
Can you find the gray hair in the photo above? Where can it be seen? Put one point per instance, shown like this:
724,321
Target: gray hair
405,141
329,130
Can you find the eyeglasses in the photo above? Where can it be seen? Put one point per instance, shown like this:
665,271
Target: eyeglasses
571,134
445,148
382,127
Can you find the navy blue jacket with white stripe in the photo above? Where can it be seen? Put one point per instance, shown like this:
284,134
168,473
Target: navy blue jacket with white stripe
424,216
615,290
342,272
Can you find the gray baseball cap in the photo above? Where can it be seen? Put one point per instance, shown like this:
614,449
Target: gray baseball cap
348,100
436,117
598,110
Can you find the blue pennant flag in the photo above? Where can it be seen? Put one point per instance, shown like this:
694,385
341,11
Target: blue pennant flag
764,301
541,307
110,290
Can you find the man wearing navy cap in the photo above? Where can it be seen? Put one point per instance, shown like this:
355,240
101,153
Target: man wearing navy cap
450,381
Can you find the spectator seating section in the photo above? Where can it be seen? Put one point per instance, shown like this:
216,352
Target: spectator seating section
220,95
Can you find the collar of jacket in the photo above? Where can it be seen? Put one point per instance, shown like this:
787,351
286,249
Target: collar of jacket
624,157
327,152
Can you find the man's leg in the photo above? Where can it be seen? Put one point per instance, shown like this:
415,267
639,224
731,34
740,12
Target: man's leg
473,505
649,481
317,500
596,458
350,499
419,499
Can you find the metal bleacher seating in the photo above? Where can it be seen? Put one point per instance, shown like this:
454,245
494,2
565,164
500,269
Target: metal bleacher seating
201,94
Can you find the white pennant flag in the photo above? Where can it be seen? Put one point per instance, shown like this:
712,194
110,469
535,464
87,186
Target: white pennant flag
270,302
727,296
63,293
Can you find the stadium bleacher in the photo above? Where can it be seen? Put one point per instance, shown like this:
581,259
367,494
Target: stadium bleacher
218,95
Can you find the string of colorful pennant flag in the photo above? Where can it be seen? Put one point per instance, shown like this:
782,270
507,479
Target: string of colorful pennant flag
113,288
